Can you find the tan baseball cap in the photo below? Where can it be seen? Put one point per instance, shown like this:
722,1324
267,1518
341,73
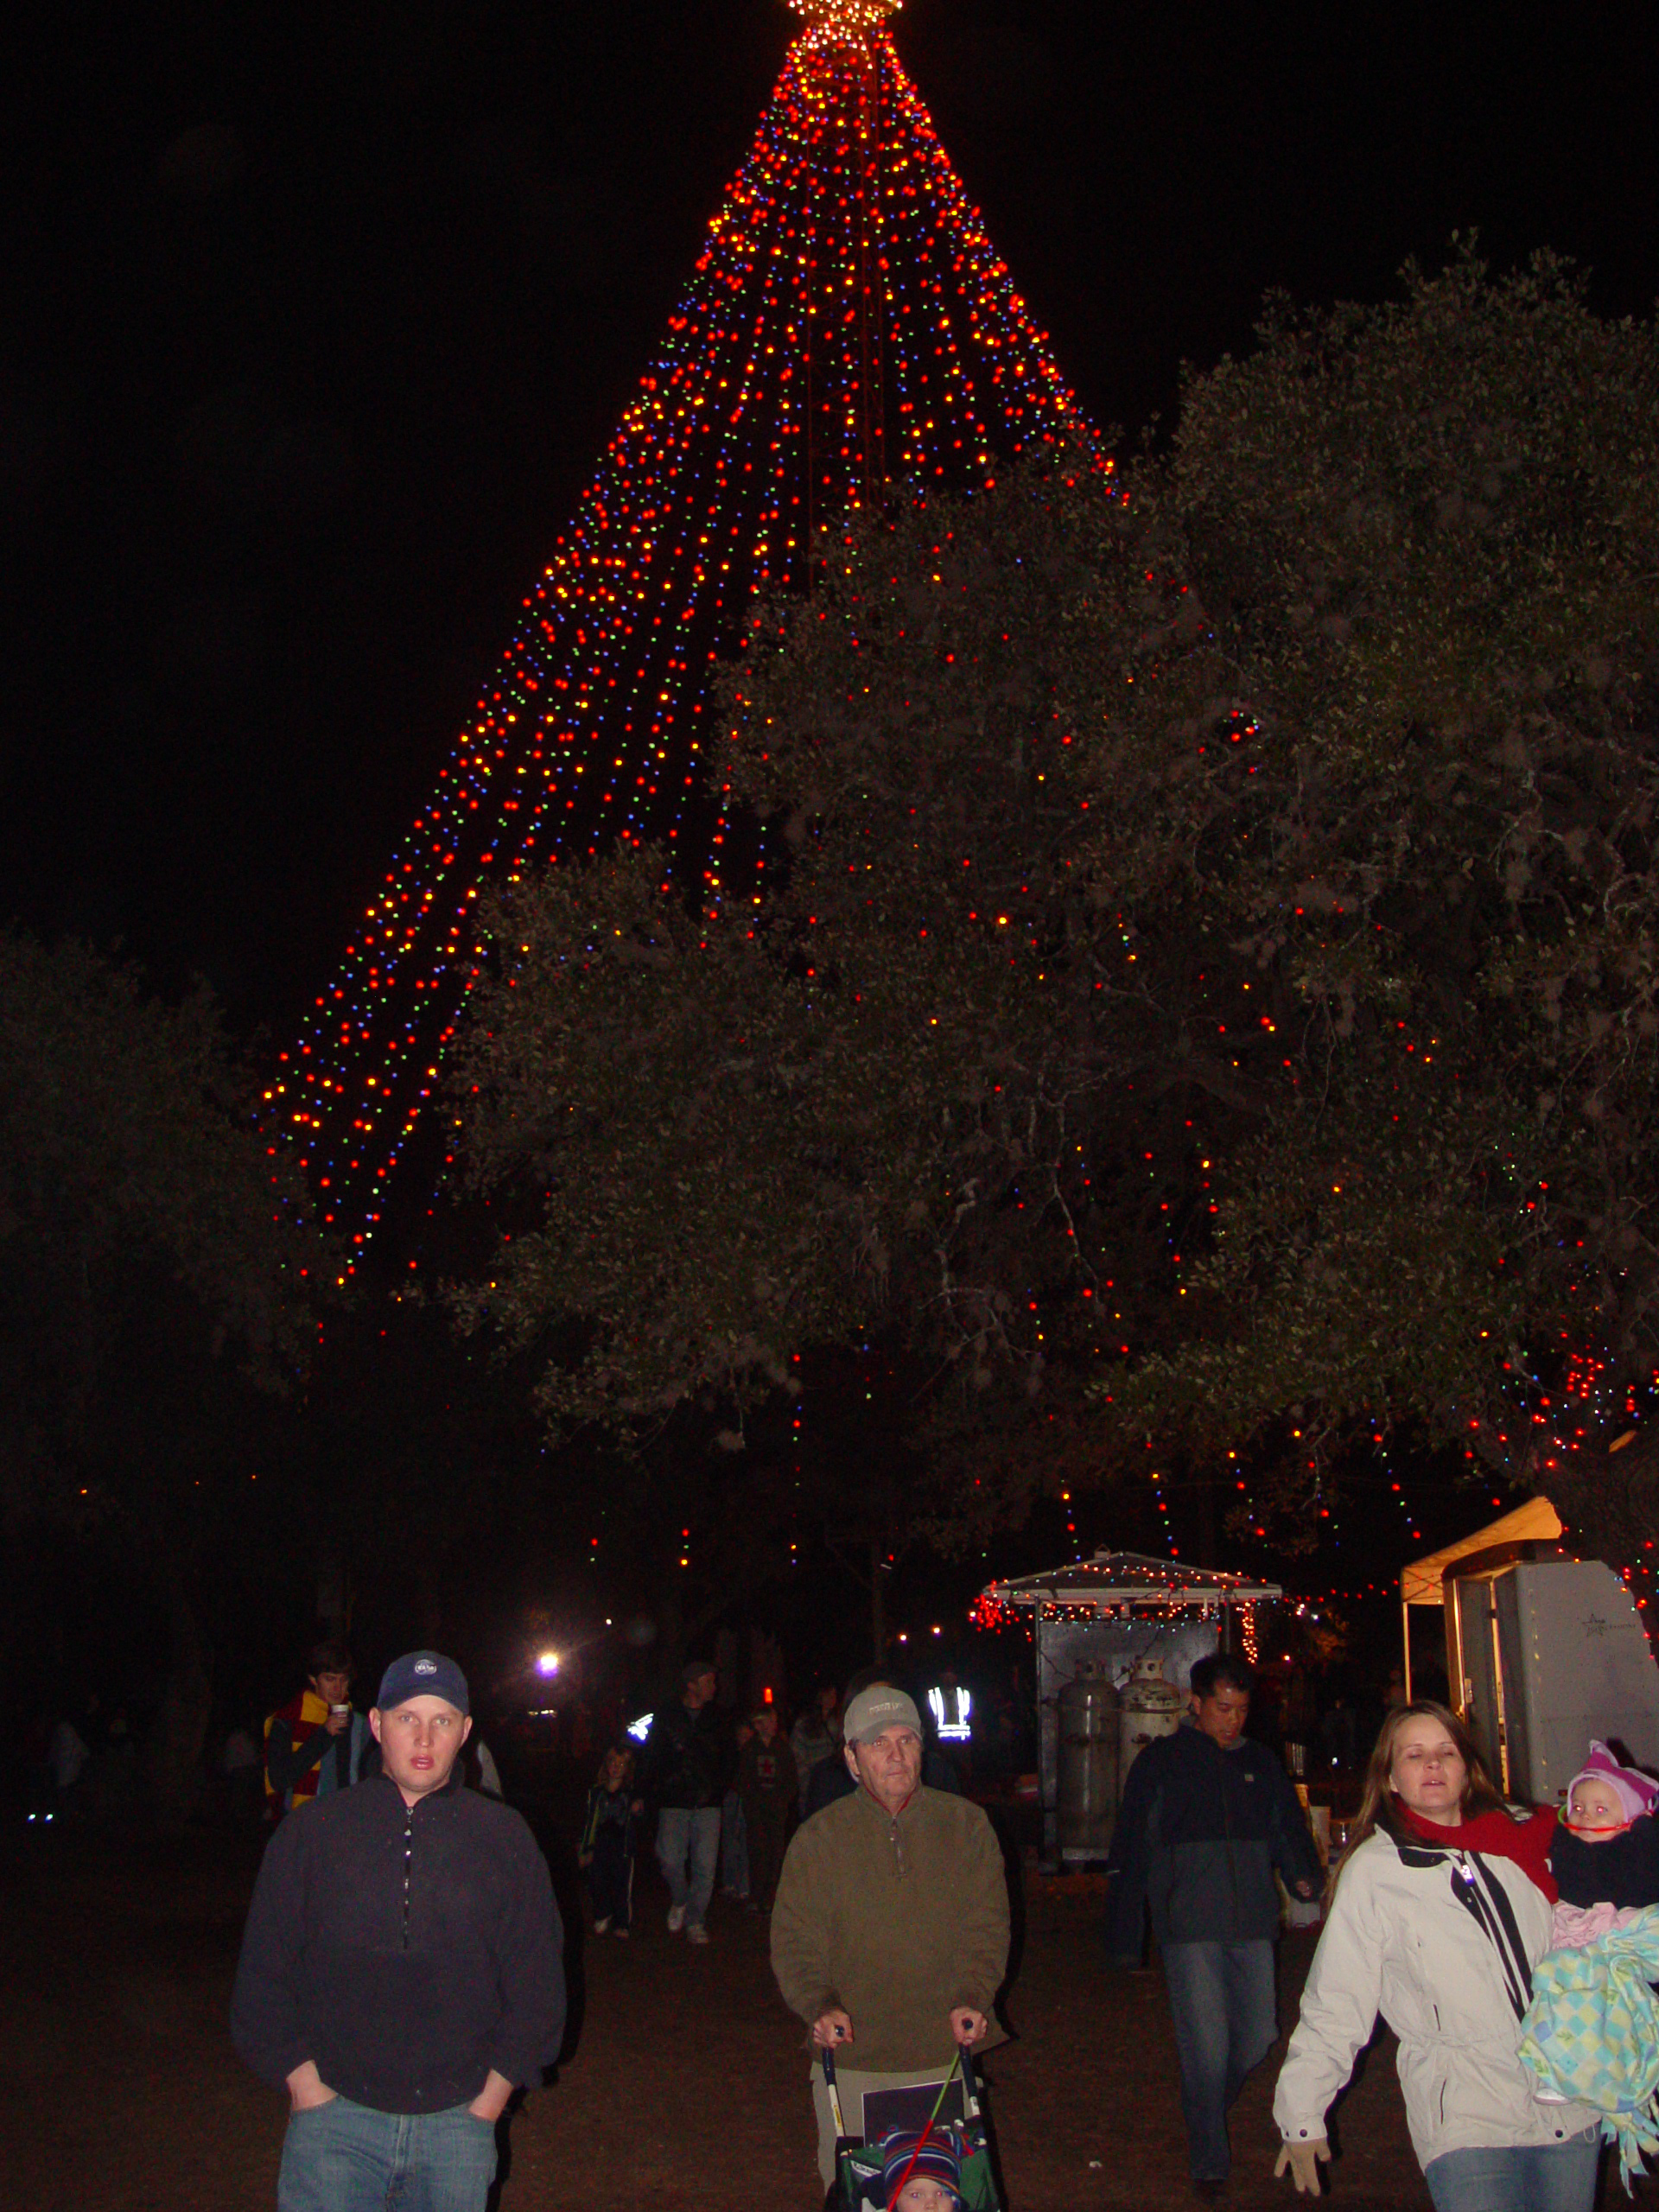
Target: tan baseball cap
878,1706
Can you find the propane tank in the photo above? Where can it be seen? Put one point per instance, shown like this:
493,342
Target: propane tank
1088,1777
1151,1707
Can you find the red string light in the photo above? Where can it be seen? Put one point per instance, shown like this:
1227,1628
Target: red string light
848,323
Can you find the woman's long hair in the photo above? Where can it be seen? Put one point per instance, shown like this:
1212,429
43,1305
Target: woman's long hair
1379,1808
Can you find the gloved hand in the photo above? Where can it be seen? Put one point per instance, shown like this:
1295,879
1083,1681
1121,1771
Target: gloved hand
1303,2161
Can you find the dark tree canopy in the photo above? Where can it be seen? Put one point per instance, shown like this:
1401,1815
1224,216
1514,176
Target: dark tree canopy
151,1272
1208,992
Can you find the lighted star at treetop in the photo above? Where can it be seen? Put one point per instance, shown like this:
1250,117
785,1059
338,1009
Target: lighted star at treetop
845,18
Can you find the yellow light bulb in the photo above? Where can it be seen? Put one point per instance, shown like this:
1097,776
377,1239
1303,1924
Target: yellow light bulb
845,18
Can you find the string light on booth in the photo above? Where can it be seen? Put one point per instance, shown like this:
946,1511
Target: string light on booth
1128,1587
989,1612
848,324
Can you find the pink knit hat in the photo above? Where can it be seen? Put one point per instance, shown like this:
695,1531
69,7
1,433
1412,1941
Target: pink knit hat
1636,1792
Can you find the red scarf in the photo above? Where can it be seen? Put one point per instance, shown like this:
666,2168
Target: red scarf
1495,1835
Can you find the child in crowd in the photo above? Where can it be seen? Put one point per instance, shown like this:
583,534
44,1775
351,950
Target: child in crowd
931,2175
734,1825
606,1852
766,1782
1605,1852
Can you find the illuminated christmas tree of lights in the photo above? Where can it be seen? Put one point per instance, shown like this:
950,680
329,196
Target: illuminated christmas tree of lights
848,324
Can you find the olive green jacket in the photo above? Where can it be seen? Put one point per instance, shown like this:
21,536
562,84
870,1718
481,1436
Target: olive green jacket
897,1922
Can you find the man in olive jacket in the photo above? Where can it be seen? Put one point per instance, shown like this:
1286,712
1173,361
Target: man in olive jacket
890,1932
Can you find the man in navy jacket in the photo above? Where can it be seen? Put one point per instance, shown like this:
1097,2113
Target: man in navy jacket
1206,1820
401,1970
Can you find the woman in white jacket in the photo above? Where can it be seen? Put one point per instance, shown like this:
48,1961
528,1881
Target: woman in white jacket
1438,1912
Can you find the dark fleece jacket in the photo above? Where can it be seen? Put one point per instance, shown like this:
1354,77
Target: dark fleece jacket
407,1950
1199,1835
690,1761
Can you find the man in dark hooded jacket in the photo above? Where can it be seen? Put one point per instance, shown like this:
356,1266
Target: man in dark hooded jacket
1206,1820
688,1765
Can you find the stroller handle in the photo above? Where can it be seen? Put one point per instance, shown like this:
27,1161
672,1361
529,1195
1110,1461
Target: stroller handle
969,2081
834,2094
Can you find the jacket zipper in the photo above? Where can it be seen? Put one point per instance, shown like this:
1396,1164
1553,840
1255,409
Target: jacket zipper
408,1864
1227,1830
895,1843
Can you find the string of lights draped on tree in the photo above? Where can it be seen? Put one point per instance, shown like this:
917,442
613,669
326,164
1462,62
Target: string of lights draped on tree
848,324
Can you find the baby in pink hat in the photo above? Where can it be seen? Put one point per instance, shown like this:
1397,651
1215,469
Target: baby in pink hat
1605,1852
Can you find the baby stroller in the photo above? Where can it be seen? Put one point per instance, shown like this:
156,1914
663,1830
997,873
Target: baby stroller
858,2184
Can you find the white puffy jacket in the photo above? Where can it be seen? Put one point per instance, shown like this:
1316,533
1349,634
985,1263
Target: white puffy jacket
1398,1942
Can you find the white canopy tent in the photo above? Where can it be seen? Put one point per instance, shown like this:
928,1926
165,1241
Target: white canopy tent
1422,1581
1115,1581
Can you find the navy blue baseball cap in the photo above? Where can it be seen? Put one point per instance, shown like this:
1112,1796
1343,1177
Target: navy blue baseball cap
422,1674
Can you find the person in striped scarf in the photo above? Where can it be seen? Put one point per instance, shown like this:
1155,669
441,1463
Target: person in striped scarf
315,1743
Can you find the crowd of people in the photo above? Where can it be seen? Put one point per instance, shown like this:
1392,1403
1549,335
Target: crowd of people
402,1972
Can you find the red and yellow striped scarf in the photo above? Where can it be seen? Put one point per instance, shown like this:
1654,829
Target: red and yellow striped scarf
304,1714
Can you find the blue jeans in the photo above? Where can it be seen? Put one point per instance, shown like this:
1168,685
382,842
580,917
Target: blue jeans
1542,2178
688,1848
344,2158
1221,2000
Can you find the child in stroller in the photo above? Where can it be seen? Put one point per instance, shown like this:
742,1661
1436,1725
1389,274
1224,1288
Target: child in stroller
923,2174
914,2160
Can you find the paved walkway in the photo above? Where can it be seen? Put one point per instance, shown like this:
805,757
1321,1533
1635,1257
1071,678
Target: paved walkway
687,2086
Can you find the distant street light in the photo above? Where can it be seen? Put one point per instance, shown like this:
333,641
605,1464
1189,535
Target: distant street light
548,1663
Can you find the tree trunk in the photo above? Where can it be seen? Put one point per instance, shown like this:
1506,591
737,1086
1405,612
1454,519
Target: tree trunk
670,1625
179,1731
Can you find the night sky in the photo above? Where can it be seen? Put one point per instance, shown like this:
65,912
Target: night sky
316,317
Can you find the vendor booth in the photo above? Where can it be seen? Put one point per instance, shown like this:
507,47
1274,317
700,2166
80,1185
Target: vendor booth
1544,1651
1116,1637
